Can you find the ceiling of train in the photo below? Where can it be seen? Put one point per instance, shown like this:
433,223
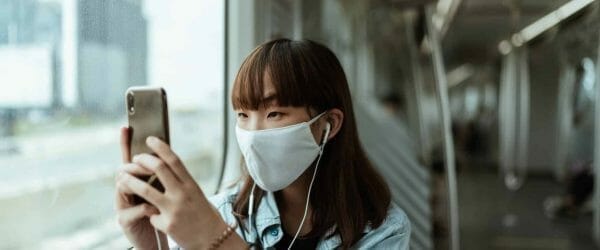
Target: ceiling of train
474,32
479,25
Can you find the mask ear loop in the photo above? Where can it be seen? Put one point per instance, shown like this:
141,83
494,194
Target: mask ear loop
327,130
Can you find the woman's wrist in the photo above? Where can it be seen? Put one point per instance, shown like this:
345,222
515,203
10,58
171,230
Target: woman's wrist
223,236
216,243
233,241
214,229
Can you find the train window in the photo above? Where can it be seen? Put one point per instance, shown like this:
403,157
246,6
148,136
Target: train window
589,77
584,95
64,68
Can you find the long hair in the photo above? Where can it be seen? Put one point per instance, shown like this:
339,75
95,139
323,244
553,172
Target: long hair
348,192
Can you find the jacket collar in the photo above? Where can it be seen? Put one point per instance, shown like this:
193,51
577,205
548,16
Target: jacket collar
269,219
268,215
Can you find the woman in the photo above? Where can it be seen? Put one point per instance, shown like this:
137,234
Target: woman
308,183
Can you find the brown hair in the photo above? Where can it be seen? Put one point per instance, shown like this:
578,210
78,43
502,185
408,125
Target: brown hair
348,192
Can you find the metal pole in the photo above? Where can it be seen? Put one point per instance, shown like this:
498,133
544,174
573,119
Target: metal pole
510,177
565,114
524,107
596,231
509,132
503,112
225,93
297,16
442,95
418,84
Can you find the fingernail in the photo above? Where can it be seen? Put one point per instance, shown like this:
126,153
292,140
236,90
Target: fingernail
134,158
151,140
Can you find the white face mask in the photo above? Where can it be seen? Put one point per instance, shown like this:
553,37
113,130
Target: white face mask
276,157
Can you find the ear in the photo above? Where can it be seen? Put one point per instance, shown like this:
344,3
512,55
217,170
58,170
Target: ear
335,118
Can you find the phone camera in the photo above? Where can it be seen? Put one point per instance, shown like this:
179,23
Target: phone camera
130,103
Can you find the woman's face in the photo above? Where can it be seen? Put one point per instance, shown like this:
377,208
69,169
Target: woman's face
271,115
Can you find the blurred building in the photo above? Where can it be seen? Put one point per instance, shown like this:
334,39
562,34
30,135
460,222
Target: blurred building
29,38
98,48
112,52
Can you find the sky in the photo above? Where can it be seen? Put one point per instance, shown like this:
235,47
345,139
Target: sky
186,51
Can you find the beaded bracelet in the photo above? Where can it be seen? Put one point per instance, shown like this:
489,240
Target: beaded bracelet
217,243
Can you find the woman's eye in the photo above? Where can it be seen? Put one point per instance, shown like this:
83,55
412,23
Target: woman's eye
274,115
242,115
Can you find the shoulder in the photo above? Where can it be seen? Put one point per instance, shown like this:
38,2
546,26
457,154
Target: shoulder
397,220
394,231
224,197
223,203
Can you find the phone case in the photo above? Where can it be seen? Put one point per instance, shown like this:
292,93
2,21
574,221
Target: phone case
147,117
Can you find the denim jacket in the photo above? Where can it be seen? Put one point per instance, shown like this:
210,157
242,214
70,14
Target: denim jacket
393,233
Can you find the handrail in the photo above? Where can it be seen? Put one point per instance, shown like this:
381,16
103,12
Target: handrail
547,22
514,118
442,96
524,110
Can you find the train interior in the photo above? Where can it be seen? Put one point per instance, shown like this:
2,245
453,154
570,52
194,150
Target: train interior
481,114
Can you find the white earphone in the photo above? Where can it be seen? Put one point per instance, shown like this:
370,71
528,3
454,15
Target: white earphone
327,130
251,198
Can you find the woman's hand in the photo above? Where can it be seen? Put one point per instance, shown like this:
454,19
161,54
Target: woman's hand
134,219
184,213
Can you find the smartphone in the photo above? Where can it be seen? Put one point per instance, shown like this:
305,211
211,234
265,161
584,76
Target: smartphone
147,115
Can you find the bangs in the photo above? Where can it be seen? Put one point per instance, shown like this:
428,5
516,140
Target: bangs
295,81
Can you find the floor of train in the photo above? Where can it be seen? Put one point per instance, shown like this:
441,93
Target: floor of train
494,218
